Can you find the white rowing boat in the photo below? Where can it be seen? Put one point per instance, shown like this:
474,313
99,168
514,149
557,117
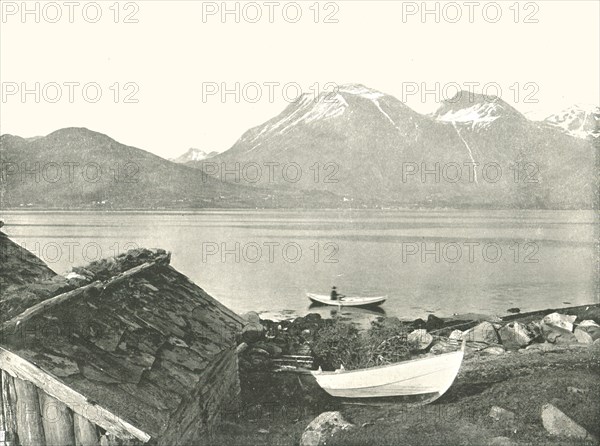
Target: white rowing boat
354,301
430,375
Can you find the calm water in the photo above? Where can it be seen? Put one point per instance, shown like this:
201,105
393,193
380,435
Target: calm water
426,261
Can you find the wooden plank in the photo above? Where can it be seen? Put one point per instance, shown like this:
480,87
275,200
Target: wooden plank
86,434
9,401
22,369
2,419
44,305
57,420
29,419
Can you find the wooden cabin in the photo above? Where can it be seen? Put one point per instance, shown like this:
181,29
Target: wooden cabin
126,351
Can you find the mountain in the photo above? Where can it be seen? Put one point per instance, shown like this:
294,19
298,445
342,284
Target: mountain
193,155
363,144
80,168
579,121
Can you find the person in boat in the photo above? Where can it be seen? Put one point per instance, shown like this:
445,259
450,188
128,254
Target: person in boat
335,295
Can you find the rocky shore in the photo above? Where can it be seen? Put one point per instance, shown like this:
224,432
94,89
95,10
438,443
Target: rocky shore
543,354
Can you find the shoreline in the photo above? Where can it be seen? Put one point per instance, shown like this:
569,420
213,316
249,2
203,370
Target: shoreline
280,396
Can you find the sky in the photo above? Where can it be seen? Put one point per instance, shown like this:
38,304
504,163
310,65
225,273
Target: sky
151,73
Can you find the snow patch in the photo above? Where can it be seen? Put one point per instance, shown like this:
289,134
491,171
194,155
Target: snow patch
476,115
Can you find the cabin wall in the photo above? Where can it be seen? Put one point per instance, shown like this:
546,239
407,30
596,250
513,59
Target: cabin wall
31,417
217,393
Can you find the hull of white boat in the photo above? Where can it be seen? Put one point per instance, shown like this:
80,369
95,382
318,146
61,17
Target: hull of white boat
347,301
429,375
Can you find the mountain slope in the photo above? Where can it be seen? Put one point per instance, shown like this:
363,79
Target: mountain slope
79,168
368,145
193,155
578,121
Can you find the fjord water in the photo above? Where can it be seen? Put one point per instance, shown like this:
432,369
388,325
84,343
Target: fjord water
426,261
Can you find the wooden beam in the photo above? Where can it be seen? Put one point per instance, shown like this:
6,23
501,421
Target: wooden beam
29,419
86,434
23,369
9,400
56,300
57,420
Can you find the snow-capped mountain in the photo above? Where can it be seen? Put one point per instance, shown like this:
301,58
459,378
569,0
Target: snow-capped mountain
193,155
357,142
475,110
579,121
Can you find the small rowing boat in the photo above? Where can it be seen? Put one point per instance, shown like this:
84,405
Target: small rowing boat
354,301
430,375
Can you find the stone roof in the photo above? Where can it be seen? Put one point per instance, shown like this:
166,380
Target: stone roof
129,333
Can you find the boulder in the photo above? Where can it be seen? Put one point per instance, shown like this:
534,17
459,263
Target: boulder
587,333
456,335
322,428
514,310
484,332
313,318
434,323
251,317
492,350
419,323
559,320
557,335
252,332
588,323
503,416
560,425
515,336
419,340
444,346
535,330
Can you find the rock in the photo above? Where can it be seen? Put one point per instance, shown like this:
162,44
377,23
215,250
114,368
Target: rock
419,323
560,321
514,310
252,317
323,428
434,323
252,332
557,335
502,415
535,330
444,346
500,441
493,350
312,318
588,323
306,332
587,334
456,335
484,332
419,340
515,336
259,352
560,425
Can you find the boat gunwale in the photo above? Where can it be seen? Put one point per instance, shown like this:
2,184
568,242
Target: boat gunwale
396,364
